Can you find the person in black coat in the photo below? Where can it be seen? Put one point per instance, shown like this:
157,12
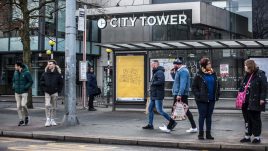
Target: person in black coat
157,94
91,88
254,102
205,88
51,83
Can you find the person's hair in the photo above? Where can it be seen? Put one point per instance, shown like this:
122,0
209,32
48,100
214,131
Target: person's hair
204,62
54,62
156,61
252,66
19,63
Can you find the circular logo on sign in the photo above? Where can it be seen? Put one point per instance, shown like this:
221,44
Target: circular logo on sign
102,23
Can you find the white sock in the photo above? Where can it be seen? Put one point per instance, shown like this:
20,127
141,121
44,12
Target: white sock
247,137
257,137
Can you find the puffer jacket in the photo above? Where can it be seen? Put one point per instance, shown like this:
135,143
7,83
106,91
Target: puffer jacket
52,82
257,90
200,88
157,87
22,81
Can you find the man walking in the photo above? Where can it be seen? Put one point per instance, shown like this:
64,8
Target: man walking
52,83
157,90
22,82
180,89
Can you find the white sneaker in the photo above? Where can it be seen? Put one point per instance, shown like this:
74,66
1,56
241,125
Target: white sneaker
164,129
48,123
53,123
192,130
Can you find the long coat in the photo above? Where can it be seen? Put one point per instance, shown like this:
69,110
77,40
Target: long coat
200,87
157,87
91,84
256,91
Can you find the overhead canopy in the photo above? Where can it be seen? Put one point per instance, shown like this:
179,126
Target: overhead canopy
196,44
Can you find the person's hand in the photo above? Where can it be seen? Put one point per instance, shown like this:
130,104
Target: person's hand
172,70
179,98
262,102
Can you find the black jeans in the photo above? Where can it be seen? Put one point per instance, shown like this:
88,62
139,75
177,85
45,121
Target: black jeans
253,122
205,110
184,99
90,101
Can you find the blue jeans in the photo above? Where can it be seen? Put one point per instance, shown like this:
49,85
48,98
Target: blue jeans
159,107
205,110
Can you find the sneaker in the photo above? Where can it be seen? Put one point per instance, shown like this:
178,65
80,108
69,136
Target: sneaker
192,130
148,127
21,122
92,109
164,129
245,140
48,123
53,123
256,141
27,119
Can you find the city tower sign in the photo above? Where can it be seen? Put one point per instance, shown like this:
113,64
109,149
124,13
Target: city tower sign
145,21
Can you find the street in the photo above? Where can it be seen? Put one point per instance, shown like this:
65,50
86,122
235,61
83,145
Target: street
15,144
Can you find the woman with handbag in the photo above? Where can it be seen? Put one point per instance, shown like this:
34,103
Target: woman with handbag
206,91
254,85
91,88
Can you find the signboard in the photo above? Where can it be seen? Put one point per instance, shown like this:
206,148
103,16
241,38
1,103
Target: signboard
82,70
130,78
224,70
168,65
262,63
145,21
81,20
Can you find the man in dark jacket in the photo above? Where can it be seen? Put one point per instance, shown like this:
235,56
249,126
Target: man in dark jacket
157,90
91,88
52,83
22,82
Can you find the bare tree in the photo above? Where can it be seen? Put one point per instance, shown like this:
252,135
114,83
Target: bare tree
260,19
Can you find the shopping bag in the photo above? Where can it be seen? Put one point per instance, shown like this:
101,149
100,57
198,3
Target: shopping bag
179,111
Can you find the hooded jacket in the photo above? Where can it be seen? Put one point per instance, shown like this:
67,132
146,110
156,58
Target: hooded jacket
22,81
157,87
200,87
52,82
181,83
256,91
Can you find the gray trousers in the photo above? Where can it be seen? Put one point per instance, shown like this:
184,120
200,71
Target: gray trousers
50,104
22,109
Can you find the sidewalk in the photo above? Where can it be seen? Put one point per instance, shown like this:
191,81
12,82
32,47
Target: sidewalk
124,127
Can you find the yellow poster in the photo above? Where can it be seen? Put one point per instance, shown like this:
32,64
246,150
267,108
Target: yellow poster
130,78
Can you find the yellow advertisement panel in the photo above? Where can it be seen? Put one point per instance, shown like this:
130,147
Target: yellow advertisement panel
130,78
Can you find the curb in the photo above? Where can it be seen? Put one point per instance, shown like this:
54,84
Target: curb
138,142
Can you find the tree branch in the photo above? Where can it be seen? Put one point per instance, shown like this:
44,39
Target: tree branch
41,5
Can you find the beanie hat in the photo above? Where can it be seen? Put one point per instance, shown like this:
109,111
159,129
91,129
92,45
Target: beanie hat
177,61
204,62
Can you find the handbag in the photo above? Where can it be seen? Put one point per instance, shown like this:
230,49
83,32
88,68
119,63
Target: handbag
97,91
179,111
241,96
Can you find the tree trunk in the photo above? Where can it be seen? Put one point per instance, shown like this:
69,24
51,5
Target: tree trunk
25,39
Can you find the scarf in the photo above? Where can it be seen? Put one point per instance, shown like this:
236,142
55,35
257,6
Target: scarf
207,71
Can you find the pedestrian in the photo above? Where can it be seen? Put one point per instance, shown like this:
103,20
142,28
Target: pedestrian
180,89
22,82
157,94
206,90
51,83
91,88
254,101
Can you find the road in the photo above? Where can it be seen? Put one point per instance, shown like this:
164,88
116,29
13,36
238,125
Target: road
15,144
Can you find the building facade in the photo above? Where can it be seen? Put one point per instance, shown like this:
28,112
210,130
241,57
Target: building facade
41,31
211,21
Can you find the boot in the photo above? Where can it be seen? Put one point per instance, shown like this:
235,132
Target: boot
171,125
201,135
208,135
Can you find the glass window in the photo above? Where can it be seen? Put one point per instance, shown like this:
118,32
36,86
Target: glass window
61,16
3,44
95,49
